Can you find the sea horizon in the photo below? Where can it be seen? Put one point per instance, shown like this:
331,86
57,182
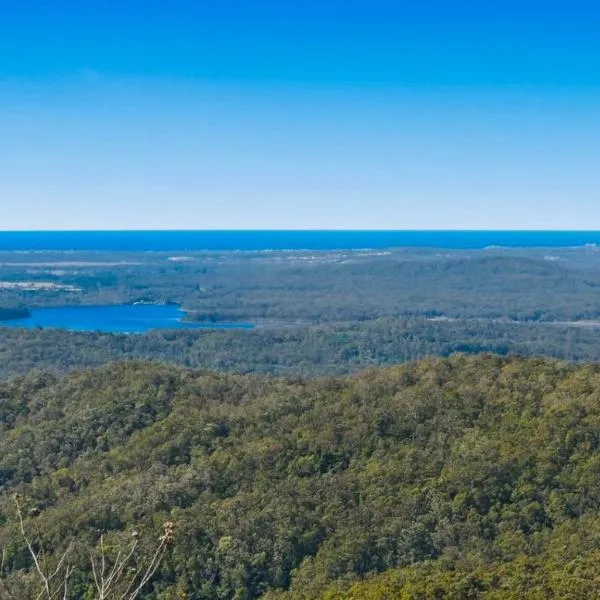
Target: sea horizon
166,240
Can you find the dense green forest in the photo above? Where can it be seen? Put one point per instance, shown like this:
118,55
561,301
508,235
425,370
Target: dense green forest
319,350
278,471
464,477
318,287
319,313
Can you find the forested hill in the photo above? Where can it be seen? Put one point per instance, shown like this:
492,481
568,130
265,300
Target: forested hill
466,477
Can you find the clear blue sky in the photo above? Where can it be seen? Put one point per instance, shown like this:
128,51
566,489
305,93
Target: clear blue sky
281,114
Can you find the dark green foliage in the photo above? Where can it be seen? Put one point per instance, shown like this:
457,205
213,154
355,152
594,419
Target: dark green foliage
322,287
320,313
458,478
323,350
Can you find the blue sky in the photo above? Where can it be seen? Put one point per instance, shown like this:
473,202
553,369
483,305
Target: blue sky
299,115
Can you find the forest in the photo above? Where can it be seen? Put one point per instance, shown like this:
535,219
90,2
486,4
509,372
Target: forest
461,477
334,349
325,453
317,313
300,288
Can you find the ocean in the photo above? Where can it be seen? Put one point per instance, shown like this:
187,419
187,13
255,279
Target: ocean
285,240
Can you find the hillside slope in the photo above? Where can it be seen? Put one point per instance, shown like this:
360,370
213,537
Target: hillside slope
461,477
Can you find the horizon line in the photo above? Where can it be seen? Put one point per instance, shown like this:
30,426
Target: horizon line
303,230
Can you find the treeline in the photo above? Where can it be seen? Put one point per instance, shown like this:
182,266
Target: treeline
327,287
321,350
466,477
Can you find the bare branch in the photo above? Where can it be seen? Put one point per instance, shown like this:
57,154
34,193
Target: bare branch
165,541
41,563
155,563
61,561
96,581
109,575
45,583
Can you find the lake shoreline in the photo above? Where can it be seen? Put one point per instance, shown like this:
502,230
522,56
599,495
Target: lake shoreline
115,318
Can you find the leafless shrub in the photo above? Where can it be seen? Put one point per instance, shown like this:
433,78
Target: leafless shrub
119,578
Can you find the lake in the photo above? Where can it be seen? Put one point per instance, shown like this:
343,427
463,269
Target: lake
120,318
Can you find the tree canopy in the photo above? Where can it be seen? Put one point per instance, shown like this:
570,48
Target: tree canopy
465,477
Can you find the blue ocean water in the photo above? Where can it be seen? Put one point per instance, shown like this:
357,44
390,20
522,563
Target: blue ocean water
286,240
123,318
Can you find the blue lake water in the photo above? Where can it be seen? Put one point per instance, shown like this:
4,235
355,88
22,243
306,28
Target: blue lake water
285,240
124,318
